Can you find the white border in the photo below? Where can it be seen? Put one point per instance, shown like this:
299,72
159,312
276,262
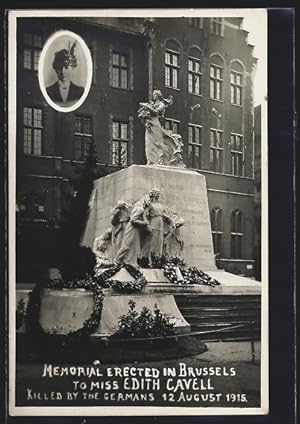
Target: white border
89,76
142,410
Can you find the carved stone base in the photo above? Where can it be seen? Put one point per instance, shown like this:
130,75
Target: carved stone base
182,190
66,310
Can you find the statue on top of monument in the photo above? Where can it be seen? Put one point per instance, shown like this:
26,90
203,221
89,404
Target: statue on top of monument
162,146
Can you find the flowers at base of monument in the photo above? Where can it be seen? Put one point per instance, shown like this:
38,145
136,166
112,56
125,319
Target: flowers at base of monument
105,280
177,272
90,325
128,286
90,283
144,324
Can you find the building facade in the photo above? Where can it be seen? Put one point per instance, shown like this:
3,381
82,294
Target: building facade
206,64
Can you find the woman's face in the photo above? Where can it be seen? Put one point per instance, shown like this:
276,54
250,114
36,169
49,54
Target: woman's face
64,74
156,195
155,95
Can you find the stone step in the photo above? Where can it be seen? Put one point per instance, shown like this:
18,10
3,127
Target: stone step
210,314
219,318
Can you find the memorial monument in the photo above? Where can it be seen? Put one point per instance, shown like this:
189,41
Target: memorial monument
182,192
140,217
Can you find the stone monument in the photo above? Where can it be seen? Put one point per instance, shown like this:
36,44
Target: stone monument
140,212
182,190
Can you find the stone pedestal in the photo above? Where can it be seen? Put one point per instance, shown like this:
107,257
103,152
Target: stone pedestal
66,310
181,189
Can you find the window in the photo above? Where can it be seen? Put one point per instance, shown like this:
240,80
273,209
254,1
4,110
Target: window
216,150
236,88
196,22
217,229
32,51
172,125
194,146
33,130
120,141
83,135
194,75
32,205
236,234
120,70
216,82
217,26
237,157
171,68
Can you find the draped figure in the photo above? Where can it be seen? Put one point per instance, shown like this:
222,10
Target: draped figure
162,147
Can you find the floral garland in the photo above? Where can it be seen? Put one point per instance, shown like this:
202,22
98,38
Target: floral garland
34,306
190,275
93,284
128,286
104,279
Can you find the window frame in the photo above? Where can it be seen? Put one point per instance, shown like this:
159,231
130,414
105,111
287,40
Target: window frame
234,87
84,137
172,122
119,142
236,249
30,150
172,68
216,81
193,74
217,233
237,155
217,149
217,22
194,145
196,22
119,67
33,50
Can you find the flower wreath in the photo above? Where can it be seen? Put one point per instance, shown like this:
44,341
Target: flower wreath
190,275
95,285
34,305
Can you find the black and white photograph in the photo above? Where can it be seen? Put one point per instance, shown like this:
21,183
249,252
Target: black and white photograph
65,69
138,191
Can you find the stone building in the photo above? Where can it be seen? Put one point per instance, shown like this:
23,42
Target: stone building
206,64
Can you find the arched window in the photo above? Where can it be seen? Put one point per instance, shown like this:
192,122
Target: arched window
237,81
217,229
216,77
172,53
236,234
194,71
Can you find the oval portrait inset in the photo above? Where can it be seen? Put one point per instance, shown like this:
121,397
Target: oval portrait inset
65,71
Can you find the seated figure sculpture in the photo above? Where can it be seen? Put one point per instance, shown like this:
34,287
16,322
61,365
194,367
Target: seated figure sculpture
162,147
103,248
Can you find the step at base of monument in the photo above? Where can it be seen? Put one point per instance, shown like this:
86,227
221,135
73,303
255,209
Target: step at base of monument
224,317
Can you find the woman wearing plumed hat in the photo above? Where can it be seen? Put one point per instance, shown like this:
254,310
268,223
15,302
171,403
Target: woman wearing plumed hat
64,91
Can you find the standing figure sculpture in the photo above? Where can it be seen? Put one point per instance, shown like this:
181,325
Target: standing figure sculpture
162,146
119,220
137,227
